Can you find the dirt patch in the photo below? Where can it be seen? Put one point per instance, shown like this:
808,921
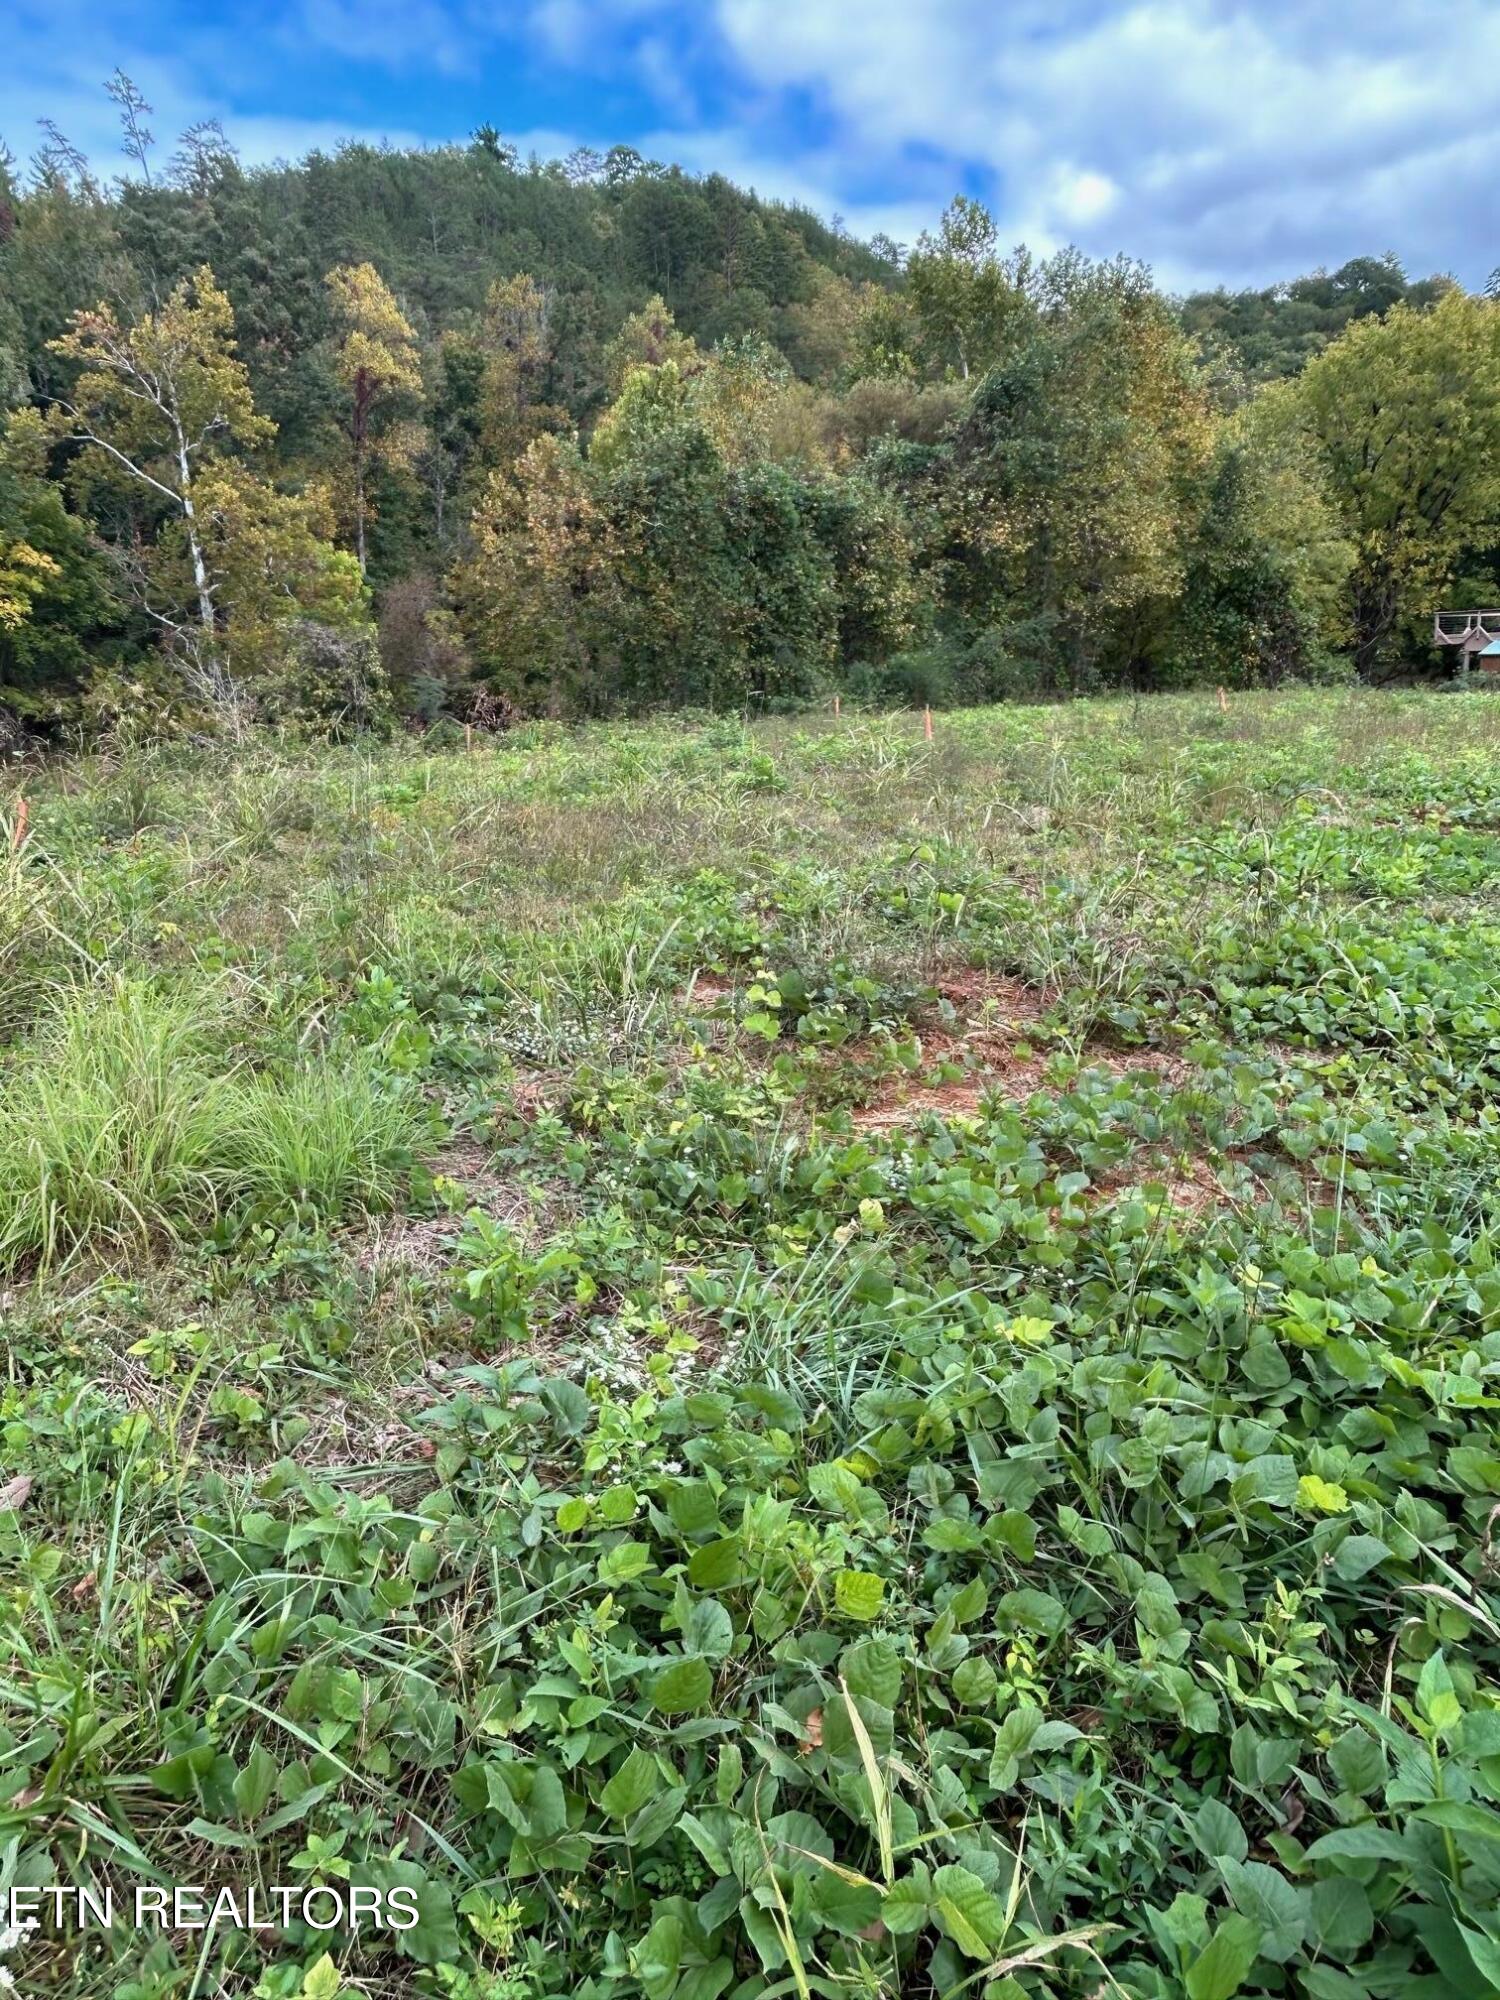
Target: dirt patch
529,1095
1198,1185
1192,1184
417,1243
979,997
1173,1070
581,1346
899,1101
991,1040
709,988
422,1243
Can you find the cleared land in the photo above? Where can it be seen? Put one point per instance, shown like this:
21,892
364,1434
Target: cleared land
779,1361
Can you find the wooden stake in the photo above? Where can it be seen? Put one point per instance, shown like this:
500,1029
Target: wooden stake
18,831
1223,702
835,708
468,736
927,723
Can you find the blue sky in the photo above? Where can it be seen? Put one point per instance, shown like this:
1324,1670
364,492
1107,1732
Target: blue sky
1221,142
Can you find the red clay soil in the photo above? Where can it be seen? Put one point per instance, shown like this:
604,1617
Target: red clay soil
1192,1185
997,1016
708,987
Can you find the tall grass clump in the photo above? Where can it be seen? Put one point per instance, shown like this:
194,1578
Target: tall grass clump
32,941
336,1132
108,1125
126,1122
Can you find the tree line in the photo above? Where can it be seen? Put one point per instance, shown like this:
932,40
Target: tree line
446,433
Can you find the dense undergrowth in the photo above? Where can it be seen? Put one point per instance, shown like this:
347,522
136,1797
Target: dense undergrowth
783,1362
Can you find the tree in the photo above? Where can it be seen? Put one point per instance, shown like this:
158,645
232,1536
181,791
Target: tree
1069,491
454,423
204,158
688,558
1274,332
584,166
1406,413
163,409
963,295
25,573
539,596
274,569
645,340
377,363
488,142
1291,510
518,352
422,651
134,111
154,402
61,620
1238,620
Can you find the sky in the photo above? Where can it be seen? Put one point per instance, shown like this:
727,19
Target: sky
1223,143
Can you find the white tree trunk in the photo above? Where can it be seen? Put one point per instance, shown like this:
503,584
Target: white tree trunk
195,547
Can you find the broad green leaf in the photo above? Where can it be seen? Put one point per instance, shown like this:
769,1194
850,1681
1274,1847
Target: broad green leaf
967,1912
658,1957
1361,1843
637,1780
1321,1496
623,1563
717,1565
1216,1830
975,1682
1274,1905
1483,1948
872,1668
683,1688
906,1904
709,1832
1220,1969
1357,1762
322,1980
847,1907
1342,1920
859,1594
1436,1700
1465,1816
255,1784
692,1507
1357,1556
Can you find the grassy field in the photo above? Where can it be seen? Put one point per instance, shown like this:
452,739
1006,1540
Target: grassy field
763,1362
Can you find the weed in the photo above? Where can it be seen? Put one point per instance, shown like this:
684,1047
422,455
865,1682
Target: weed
944,1443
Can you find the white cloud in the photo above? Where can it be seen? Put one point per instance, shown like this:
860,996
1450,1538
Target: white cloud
392,32
1233,140
1083,196
1238,142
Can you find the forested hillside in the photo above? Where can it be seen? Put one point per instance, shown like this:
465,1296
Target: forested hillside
1273,332
390,434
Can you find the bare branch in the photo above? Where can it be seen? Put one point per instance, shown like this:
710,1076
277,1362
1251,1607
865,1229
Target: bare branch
135,471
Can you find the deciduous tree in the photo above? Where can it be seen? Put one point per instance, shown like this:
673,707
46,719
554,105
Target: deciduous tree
377,362
963,294
154,402
1406,411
